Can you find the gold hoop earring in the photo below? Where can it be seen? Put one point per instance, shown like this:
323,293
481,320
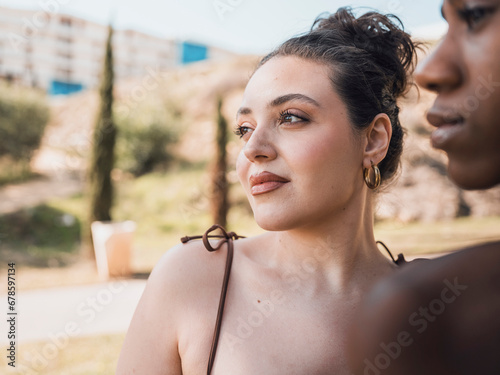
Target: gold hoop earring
366,174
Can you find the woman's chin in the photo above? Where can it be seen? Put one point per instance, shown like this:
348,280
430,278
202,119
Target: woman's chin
473,177
274,223
270,223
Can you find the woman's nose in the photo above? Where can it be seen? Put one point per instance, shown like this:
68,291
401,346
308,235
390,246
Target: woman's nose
260,146
441,70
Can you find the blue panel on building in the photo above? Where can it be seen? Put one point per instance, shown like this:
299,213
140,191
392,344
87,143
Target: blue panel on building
64,88
191,52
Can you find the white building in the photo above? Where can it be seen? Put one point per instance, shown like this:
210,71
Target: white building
62,53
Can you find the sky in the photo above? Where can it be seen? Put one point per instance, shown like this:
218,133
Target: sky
243,26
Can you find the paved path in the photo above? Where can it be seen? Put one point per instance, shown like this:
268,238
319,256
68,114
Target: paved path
57,313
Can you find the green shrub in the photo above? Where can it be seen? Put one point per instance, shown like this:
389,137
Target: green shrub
146,136
37,235
15,171
24,114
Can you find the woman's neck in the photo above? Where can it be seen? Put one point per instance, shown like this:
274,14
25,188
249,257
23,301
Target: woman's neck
340,250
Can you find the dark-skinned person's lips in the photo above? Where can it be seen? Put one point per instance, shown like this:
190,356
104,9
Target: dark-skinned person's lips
449,124
265,182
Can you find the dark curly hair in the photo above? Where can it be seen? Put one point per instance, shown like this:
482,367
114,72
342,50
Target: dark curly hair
371,59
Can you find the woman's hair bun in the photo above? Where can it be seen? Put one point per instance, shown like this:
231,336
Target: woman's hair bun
381,35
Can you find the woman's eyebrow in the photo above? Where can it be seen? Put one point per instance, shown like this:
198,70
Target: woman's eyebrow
286,98
279,101
243,111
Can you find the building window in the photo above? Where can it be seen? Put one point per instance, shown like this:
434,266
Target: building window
65,54
65,21
64,74
64,40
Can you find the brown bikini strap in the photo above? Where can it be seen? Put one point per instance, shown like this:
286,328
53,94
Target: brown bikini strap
401,258
225,237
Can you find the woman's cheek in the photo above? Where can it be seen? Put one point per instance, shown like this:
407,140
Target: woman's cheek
312,152
242,166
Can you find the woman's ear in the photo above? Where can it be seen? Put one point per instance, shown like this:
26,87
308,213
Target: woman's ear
378,135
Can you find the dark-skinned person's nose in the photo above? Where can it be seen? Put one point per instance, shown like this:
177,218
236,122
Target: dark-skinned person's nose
440,71
259,147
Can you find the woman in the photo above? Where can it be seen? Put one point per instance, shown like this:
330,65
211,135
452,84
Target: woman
442,317
319,122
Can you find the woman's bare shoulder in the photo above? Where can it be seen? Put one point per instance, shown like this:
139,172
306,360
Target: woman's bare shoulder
186,266
185,278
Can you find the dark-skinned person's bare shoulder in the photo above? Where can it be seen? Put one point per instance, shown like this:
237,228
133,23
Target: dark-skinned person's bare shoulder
442,314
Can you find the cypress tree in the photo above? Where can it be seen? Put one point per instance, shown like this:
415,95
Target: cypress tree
102,155
220,187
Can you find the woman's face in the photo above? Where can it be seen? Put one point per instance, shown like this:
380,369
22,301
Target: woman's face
301,163
464,70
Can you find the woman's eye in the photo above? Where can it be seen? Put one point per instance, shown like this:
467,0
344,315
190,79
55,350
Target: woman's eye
473,16
240,131
290,118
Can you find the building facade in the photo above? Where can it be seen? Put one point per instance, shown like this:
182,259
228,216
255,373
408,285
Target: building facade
63,54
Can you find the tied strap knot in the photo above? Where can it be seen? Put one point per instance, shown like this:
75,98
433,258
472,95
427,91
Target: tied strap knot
233,235
225,237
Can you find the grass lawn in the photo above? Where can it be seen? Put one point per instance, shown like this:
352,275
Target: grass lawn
95,355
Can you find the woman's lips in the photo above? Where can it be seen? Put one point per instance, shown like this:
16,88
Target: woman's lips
266,187
444,134
448,127
265,182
